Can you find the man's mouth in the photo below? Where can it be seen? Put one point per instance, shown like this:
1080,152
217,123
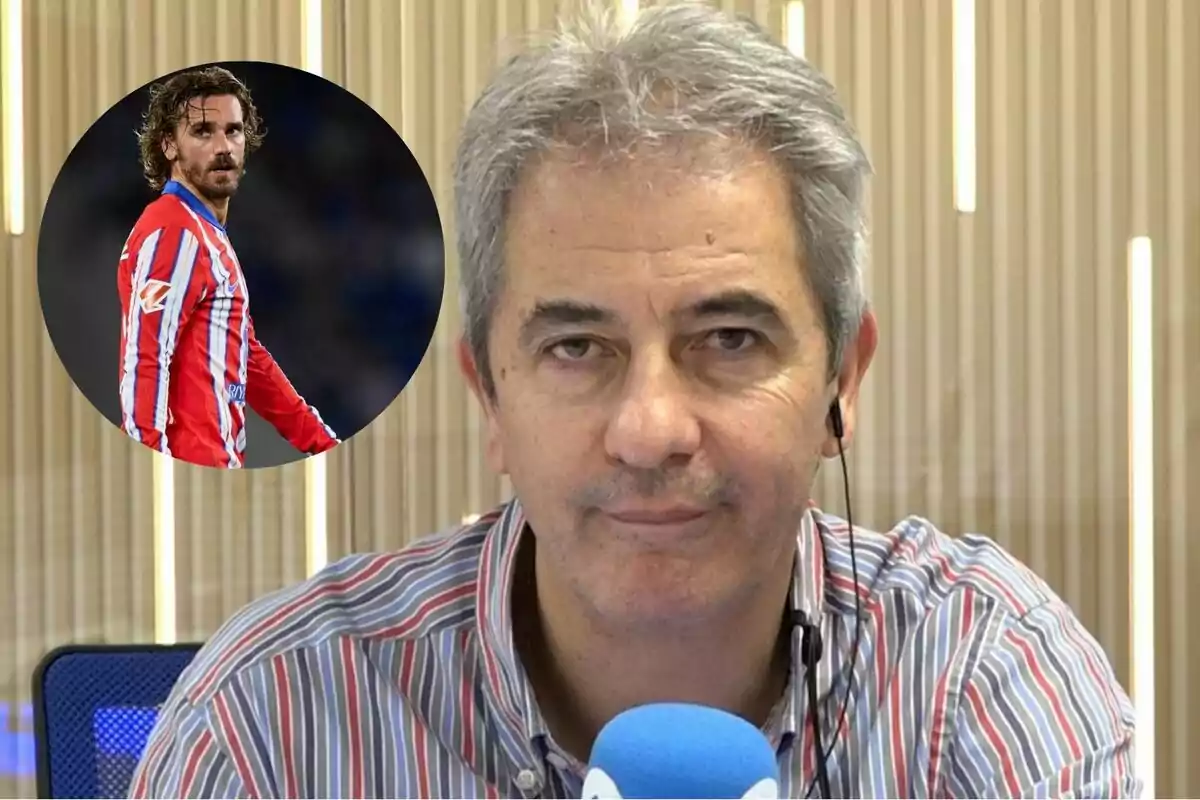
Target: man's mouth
663,515
657,525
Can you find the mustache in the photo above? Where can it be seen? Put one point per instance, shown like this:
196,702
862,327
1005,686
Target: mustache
648,484
223,162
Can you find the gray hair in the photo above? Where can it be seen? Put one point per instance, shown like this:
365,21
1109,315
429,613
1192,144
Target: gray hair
726,79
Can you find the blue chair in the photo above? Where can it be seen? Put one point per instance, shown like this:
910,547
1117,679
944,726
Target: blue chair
93,709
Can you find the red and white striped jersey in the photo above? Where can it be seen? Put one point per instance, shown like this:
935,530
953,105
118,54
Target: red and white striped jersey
190,360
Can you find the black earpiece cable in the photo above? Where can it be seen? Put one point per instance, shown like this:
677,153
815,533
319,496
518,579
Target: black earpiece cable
811,644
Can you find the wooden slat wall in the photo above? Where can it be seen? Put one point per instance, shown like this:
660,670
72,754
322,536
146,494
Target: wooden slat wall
76,508
996,404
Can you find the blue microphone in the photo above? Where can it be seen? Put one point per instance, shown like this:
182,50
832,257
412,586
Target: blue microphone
679,750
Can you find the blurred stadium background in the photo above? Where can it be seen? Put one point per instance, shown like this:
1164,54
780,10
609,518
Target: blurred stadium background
1037,185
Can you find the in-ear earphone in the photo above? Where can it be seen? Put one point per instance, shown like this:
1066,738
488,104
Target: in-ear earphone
835,420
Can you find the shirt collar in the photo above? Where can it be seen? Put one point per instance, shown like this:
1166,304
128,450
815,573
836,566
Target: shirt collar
808,598
823,589
195,203
507,686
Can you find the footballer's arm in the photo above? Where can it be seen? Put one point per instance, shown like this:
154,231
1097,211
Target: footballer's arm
272,396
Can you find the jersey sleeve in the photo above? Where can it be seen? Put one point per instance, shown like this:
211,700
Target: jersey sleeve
271,394
164,278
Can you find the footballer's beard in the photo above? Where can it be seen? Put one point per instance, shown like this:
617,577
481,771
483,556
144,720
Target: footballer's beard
211,183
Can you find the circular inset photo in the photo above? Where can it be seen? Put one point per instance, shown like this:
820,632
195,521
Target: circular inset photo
241,264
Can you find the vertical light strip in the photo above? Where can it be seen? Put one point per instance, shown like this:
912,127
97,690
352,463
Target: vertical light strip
12,58
163,483
312,31
793,27
964,105
316,513
1140,287
627,11
316,476
1141,494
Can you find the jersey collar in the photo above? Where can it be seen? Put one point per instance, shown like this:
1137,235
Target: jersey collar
195,203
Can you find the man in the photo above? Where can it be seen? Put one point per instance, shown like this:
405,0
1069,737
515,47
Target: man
661,237
190,359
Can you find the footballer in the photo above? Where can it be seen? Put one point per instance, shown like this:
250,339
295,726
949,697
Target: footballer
190,359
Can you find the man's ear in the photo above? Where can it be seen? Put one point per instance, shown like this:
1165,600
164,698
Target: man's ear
169,148
471,374
853,369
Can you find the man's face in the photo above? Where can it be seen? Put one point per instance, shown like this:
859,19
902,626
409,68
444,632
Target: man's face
660,371
209,145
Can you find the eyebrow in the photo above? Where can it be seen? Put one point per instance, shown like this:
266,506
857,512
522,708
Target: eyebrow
550,314
208,123
735,303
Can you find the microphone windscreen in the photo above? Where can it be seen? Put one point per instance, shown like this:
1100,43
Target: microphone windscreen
679,750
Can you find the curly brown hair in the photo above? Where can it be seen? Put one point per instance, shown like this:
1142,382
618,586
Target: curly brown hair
168,102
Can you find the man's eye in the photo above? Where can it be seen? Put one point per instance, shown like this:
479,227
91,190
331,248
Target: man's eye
573,349
732,340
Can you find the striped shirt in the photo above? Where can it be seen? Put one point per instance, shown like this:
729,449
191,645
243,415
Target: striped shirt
394,675
190,358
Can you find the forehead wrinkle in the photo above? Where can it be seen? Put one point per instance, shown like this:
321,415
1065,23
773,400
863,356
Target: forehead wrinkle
197,109
581,226
196,105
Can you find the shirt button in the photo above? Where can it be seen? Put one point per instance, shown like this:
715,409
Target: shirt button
527,780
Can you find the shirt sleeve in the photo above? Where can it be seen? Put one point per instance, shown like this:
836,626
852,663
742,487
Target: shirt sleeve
184,759
169,280
1042,715
271,394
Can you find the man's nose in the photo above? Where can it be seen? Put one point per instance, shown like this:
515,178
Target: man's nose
654,421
